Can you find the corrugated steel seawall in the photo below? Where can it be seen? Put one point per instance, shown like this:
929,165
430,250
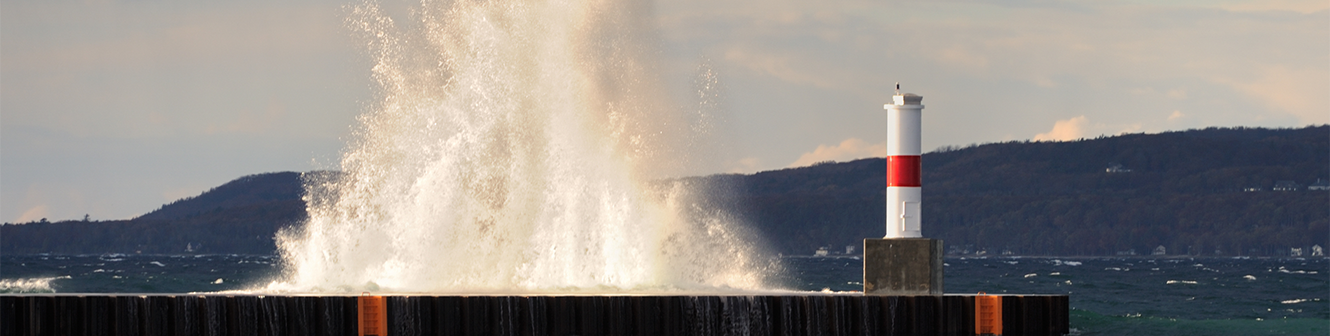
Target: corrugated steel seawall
221,314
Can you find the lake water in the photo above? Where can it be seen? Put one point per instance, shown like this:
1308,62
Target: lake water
1109,296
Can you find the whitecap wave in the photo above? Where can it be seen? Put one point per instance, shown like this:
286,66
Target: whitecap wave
29,285
1057,262
1282,269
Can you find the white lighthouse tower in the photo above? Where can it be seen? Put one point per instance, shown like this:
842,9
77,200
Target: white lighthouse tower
903,166
903,262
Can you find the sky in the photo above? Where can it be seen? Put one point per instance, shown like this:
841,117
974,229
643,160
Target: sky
112,108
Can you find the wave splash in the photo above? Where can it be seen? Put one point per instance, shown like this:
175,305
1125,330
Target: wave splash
29,285
513,150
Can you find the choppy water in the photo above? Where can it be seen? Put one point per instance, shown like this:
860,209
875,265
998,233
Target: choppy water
1109,296
1135,296
119,273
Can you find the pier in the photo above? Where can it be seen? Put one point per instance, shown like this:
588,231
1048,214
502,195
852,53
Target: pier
805,314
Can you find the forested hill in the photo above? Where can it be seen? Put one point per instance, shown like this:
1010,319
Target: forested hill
1181,190
1206,192
1198,161
240,217
262,190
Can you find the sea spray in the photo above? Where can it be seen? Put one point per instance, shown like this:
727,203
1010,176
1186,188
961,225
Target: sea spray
29,285
512,150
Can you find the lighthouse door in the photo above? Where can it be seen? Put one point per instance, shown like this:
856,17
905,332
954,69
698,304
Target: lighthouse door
910,217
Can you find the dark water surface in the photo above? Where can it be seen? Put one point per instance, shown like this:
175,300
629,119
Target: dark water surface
118,273
1109,296
1136,296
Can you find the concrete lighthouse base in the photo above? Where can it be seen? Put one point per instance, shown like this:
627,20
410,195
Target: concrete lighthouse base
902,266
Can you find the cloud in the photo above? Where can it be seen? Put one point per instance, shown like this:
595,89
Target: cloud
1064,130
186,70
1031,60
1293,91
1300,6
1177,94
745,166
781,66
1130,128
32,214
107,103
960,56
194,77
1176,115
849,149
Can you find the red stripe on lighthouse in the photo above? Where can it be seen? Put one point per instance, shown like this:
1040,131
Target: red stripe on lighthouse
903,171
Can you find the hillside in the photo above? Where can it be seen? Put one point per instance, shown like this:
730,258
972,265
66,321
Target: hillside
1184,191
1181,190
240,217
262,190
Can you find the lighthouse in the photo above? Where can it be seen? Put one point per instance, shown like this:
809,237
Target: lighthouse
903,262
903,166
